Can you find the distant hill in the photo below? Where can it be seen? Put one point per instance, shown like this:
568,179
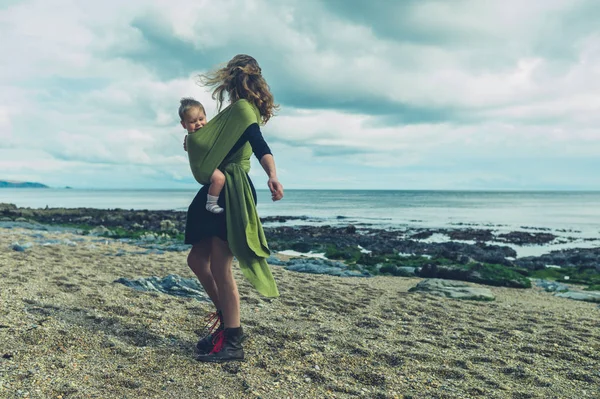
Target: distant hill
20,184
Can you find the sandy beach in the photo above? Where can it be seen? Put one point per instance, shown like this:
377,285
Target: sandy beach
67,330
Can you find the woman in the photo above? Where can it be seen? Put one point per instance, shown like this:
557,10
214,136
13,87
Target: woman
213,236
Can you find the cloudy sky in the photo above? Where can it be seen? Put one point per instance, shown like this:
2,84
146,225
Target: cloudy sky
448,94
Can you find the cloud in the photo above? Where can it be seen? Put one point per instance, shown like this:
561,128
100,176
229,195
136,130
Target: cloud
423,94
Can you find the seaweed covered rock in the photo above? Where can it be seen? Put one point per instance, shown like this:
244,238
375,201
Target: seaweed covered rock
481,273
453,289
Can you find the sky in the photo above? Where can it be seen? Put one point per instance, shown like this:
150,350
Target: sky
379,94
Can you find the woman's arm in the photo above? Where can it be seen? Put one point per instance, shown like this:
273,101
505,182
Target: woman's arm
265,157
268,164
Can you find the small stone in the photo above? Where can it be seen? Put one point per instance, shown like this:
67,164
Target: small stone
307,379
317,367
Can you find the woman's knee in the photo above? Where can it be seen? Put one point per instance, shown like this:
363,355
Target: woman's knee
199,258
221,261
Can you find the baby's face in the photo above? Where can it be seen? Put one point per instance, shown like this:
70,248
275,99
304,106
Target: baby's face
193,120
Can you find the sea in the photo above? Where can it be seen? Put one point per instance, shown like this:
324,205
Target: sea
574,216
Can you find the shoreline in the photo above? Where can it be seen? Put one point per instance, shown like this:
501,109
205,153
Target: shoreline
363,249
534,240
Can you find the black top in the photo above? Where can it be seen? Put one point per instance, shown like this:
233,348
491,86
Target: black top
253,135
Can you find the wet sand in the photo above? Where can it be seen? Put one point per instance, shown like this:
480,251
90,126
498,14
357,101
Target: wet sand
68,331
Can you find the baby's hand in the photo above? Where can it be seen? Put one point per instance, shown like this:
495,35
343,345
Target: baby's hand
185,143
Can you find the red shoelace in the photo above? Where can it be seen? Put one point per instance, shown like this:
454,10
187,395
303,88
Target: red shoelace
212,321
218,341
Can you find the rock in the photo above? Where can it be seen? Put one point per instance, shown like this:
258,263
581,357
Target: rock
148,237
171,284
319,266
422,235
272,260
399,271
587,296
551,286
470,235
525,238
573,257
496,275
282,219
100,231
7,207
453,289
167,225
21,248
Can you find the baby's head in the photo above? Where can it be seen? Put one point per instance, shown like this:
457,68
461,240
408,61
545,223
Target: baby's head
192,114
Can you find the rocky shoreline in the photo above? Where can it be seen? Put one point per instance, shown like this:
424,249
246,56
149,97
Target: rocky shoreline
479,255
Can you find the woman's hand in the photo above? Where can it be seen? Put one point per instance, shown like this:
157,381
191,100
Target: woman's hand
276,189
185,143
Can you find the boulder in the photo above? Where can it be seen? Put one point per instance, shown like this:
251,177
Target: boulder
453,289
551,286
489,274
587,296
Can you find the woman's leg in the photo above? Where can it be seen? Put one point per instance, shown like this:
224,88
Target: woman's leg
229,298
227,344
199,261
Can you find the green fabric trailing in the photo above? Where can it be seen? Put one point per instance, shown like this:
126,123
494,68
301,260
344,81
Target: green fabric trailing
207,149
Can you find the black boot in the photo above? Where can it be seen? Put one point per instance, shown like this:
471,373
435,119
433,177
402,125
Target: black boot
214,324
227,346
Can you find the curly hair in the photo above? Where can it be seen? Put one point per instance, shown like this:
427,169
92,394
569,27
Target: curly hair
241,79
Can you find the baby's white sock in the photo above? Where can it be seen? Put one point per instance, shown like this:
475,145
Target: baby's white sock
211,204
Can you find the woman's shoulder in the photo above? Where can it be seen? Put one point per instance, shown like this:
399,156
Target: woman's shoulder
246,108
241,103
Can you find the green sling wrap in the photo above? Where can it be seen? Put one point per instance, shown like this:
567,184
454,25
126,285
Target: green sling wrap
207,149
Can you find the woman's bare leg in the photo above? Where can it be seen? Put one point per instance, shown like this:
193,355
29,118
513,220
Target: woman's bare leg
220,264
199,260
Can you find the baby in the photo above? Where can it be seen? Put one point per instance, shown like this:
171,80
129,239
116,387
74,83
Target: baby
193,117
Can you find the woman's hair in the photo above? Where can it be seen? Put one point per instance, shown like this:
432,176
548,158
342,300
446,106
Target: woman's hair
188,103
241,78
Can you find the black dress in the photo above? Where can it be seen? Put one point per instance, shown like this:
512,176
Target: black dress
201,223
